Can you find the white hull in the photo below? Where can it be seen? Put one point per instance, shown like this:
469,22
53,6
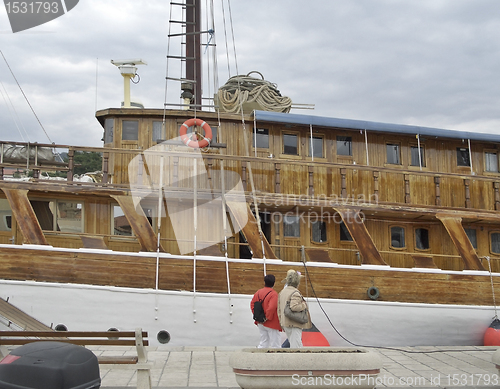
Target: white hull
207,319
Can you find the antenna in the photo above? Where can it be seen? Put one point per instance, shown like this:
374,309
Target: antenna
128,70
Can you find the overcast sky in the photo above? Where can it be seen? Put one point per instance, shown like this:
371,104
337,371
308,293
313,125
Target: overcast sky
431,63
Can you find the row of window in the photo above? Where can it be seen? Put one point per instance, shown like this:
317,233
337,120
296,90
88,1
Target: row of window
291,229
130,131
344,148
66,216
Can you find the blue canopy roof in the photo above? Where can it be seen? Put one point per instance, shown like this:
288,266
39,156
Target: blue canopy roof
322,121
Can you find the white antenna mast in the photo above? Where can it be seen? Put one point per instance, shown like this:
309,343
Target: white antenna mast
128,70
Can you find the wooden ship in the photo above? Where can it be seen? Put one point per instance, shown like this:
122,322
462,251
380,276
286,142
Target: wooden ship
395,227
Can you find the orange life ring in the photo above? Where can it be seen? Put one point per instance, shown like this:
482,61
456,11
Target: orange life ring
186,139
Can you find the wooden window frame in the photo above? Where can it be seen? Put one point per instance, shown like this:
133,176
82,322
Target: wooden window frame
490,241
282,145
424,159
163,131
415,238
325,242
254,134
491,151
323,146
405,247
138,130
468,156
284,229
387,163
337,149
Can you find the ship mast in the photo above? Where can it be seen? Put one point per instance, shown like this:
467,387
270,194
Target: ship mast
192,88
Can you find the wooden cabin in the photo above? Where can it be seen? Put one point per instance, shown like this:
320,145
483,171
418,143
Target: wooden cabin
326,189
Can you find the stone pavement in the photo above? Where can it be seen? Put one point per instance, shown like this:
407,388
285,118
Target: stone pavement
208,367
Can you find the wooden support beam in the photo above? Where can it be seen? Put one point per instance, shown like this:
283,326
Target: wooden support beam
453,225
354,223
248,225
139,223
25,216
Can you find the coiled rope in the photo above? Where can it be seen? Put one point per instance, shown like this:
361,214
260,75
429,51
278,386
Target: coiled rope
242,89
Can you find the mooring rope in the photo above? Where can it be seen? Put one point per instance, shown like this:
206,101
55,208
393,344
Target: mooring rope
492,287
242,89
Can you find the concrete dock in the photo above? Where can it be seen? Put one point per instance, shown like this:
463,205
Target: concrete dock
208,367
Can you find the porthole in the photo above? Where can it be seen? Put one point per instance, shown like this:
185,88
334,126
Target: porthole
112,329
163,337
61,327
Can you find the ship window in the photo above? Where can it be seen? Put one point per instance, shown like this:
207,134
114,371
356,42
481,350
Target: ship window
6,215
64,216
316,147
261,138
68,216
318,232
291,226
345,236
344,145
495,242
121,226
130,130
398,237
393,154
471,234
290,144
109,125
44,214
158,131
491,162
415,161
463,157
422,238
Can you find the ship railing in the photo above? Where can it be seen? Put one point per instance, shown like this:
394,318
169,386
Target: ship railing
273,175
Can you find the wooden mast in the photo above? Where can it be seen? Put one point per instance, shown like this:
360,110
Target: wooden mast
193,48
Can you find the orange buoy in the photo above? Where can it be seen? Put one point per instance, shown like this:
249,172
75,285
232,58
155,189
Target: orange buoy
492,334
194,143
313,337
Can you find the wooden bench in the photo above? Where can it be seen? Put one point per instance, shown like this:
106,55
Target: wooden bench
91,338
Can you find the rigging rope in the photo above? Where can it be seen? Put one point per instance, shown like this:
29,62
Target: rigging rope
242,89
444,350
492,287
26,98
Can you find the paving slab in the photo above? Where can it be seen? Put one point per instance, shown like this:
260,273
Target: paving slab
176,367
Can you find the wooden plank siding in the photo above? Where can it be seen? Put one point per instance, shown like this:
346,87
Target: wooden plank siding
385,191
177,274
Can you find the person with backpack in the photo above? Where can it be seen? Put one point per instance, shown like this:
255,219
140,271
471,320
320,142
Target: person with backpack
264,307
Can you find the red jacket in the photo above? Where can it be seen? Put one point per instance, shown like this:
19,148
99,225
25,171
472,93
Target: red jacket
270,306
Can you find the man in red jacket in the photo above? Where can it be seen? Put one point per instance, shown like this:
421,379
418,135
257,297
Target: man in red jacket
270,329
